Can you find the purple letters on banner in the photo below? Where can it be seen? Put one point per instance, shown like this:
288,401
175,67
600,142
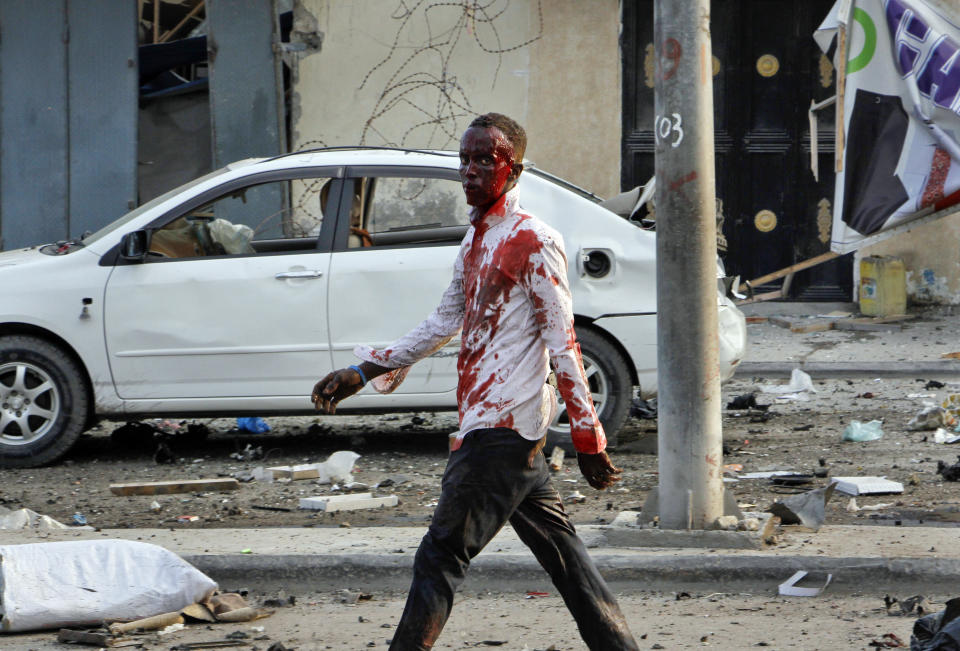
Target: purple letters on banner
938,76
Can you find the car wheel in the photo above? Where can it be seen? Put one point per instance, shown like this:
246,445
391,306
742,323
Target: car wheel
610,385
43,402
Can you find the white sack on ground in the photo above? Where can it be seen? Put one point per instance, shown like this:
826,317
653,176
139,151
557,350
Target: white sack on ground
57,584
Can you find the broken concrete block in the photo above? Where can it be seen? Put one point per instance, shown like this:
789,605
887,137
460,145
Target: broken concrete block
353,502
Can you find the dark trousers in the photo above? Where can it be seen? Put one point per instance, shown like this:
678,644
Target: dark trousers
487,483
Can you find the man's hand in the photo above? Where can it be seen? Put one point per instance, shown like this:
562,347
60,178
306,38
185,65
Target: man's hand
334,387
598,470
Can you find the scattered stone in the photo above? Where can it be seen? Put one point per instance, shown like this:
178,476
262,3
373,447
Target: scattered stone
726,522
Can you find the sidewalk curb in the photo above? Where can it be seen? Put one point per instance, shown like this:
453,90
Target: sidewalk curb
851,369
521,572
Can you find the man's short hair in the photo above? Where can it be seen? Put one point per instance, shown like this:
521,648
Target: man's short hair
513,131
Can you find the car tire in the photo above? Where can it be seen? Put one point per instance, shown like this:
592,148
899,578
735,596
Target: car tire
43,402
609,376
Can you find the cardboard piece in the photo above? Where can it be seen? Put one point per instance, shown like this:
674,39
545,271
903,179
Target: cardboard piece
867,485
789,588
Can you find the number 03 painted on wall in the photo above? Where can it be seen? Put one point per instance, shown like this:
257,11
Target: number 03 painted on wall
666,128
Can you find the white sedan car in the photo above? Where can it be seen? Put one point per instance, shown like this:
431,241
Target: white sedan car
180,308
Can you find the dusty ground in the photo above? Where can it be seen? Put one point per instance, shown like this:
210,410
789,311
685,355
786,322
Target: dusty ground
411,450
514,622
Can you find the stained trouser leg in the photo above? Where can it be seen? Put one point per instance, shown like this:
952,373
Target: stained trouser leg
545,528
484,482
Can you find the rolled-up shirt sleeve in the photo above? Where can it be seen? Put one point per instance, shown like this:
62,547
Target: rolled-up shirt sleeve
546,283
432,334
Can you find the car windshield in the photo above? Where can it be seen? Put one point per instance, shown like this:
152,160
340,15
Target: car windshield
576,189
133,214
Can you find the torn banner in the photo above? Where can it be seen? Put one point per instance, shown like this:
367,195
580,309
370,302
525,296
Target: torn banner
901,114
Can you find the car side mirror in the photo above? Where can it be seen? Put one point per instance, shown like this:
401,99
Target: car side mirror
134,246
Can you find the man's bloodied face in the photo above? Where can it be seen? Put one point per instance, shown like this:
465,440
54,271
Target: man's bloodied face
487,167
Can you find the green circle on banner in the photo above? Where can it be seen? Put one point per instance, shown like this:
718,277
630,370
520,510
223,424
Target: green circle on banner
869,41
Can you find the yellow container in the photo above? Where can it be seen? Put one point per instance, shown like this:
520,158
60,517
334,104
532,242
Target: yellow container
883,286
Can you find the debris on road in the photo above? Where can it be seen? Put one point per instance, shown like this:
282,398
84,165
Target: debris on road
746,401
791,480
726,523
950,473
937,631
147,623
766,474
176,486
944,436
556,459
853,508
802,326
915,605
807,509
260,507
790,587
356,501
874,324
797,388
27,519
646,409
92,638
867,486
860,432
888,641
930,417
225,608
338,468
252,425
249,453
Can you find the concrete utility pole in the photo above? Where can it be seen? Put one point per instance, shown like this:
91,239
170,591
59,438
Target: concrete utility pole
690,430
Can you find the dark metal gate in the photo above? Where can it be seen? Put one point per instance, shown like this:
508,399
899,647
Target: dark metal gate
68,132
767,69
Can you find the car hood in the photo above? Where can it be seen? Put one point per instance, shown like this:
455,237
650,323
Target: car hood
19,256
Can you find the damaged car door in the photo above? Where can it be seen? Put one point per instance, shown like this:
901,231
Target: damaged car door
202,308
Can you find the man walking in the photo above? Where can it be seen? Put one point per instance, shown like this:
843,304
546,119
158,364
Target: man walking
510,300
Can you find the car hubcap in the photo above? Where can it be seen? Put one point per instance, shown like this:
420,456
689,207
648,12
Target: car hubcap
29,403
599,391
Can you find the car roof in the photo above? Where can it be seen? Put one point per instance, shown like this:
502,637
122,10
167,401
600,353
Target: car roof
361,155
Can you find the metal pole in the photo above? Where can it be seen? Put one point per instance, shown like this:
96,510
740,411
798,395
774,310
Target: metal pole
690,431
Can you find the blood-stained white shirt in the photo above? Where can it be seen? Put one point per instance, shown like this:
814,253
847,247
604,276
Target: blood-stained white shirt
510,298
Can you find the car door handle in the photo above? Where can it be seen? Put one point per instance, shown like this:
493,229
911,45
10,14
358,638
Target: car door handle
308,273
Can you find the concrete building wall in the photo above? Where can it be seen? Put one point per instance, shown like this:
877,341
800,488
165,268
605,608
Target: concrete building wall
414,75
931,255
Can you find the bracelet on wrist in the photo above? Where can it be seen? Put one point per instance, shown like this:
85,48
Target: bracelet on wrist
363,378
